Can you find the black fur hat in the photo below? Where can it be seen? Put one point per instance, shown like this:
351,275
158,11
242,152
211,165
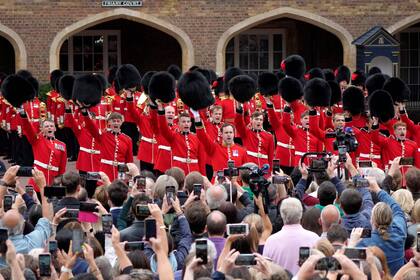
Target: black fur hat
28,76
127,77
374,70
194,90
315,73
205,73
111,74
375,82
267,84
218,86
2,77
54,77
162,87
353,100
242,88
65,86
342,74
358,78
317,92
213,75
146,80
175,71
399,90
17,90
290,89
101,78
381,105
280,75
335,92
294,65
88,89
229,74
328,74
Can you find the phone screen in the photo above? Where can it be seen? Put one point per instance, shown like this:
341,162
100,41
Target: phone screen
44,264
276,165
237,229
107,223
245,259
231,164
77,241
418,241
355,253
143,210
150,228
170,193
365,163
72,213
134,245
201,250
7,202
197,190
304,253
52,246
3,237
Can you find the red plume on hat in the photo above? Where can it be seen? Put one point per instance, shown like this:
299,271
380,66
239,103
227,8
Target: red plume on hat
283,65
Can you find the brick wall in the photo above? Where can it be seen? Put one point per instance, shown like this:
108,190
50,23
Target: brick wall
37,22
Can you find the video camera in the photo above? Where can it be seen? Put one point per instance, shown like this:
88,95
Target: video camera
319,161
345,142
259,185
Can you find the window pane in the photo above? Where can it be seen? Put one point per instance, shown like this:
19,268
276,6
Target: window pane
414,40
98,44
252,43
64,62
243,61
98,63
404,74
88,62
277,60
414,58
414,78
65,47
404,40
230,60
78,62
112,43
264,43
77,44
112,59
264,61
87,44
277,42
253,61
231,45
404,58
243,43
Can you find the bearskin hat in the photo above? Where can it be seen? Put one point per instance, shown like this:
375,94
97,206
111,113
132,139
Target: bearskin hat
242,88
290,89
54,77
127,77
267,84
353,100
162,87
342,73
294,65
358,78
374,70
218,86
314,73
381,105
111,74
375,82
229,74
175,71
88,89
317,92
194,90
146,80
65,86
17,90
335,92
399,90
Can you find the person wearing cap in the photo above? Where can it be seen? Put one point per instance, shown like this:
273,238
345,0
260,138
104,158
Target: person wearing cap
187,151
50,154
115,147
258,143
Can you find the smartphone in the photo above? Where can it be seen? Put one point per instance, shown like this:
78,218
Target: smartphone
7,202
143,210
280,179
141,182
107,223
201,250
72,214
52,246
134,245
366,233
93,176
170,193
418,241
304,253
77,241
29,190
231,164
245,259
44,264
4,235
328,263
365,163
197,190
355,253
230,172
88,207
122,168
237,229
407,161
150,228
362,183
276,166
57,192
24,171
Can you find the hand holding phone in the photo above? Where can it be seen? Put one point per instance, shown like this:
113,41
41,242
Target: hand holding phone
237,229
201,250
170,194
44,264
304,253
150,228
77,241
107,223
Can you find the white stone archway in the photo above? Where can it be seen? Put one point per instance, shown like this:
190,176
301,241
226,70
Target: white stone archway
123,13
349,50
404,23
21,58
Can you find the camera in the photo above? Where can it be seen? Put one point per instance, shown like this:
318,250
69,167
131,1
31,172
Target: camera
245,259
258,184
355,253
344,137
319,161
361,182
93,176
122,168
328,264
280,179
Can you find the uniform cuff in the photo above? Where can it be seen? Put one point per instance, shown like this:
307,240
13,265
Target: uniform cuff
312,112
375,126
161,112
68,111
287,109
199,124
130,99
270,105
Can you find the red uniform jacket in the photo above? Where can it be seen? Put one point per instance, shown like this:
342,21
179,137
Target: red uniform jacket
115,148
164,151
367,150
303,140
314,129
32,109
60,110
89,159
50,155
101,112
220,153
148,145
285,149
213,130
187,152
50,106
259,144
297,108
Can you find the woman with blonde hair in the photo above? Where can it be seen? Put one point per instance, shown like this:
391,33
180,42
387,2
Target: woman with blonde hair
405,199
415,220
377,252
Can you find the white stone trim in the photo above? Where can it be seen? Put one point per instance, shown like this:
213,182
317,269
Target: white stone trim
404,23
21,58
349,50
149,20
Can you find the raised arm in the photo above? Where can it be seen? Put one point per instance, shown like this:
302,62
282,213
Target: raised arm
314,126
71,123
163,125
376,137
239,121
91,126
28,129
287,122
